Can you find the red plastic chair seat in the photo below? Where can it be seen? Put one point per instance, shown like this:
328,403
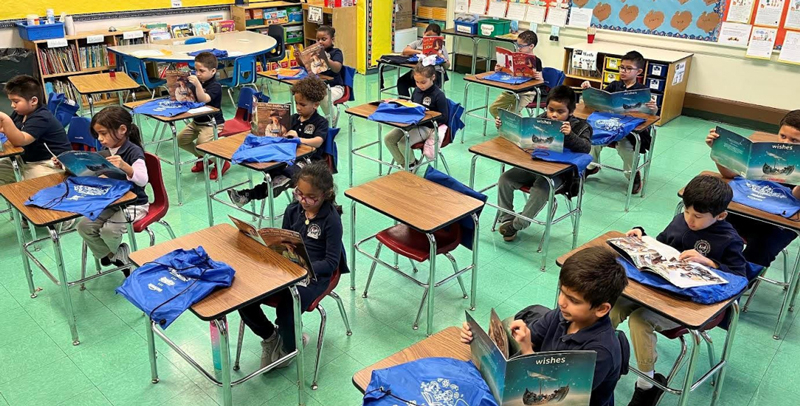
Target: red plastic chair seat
345,97
160,205
236,125
414,245
273,301
680,331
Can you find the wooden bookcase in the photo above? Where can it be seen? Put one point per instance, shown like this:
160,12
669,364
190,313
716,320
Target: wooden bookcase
666,73
244,21
343,19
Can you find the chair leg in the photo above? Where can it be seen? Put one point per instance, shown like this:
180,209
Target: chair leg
541,242
168,227
342,311
152,236
455,270
711,356
444,162
752,293
785,267
496,219
372,270
419,312
239,346
230,94
84,254
678,362
323,317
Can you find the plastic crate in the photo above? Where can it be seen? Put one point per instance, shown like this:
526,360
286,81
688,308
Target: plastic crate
657,69
467,27
656,84
493,28
612,63
609,77
39,32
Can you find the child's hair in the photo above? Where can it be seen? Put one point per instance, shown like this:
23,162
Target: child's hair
427,71
312,88
792,119
208,60
564,95
529,38
634,57
707,194
595,274
328,29
319,176
112,118
25,86
435,28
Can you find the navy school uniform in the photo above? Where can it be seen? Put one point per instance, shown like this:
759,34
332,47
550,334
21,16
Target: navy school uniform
130,153
45,129
336,55
433,99
644,136
214,90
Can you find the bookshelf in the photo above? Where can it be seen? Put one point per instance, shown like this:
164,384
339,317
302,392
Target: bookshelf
343,20
430,11
259,16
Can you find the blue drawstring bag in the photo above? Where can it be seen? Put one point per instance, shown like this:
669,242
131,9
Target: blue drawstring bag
415,59
610,127
165,107
86,195
766,196
506,78
217,52
467,225
302,75
3,138
578,160
61,108
257,149
166,287
393,112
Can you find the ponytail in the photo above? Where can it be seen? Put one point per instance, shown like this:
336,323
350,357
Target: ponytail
112,118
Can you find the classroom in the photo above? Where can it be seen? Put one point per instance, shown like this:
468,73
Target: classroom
399,202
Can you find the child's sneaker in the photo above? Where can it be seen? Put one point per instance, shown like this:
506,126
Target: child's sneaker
279,184
648,397
637,184
508,231
121,257
271,349
238,198
283,353
198,167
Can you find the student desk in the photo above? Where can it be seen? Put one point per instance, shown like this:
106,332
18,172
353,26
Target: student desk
176,150
583,112
17,194
102,83
501,150
224,148
476,39
382,64
237,44
11,152
531,85
364,111
691,315
790,285
290,82
260,272
446,343
424,206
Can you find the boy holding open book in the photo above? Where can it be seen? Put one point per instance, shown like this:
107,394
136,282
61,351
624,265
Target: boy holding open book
526,42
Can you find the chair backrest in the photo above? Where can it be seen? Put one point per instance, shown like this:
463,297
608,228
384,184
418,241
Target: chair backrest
466,224
246,101
331,286
195,40
134,68
244,70
156,181
330,149
80,136
349,78
553,77
454,122
277,32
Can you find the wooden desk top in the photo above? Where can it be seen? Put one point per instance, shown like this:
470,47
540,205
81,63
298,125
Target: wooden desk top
225,147
503,150
679,310
165,119
365,110
446,343
18,193
260,271
102,82
583,112
520,88
9,150
288,81
414,201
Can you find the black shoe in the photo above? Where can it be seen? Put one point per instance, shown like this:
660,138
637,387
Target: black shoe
648,397
105,261
637,183
508,231
592,171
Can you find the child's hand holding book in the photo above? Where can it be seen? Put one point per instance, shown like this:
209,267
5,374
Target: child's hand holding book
522,335
696,257
635,232
566,128
466,333
711,137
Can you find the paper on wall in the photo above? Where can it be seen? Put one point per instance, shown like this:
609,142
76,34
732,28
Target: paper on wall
516,11
793,15
535,14
790,52
740,11
477,7
680,71
497,8
762,40
557,16
734,34
461,6
769,13
580,17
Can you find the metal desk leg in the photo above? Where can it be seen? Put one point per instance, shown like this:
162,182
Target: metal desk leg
208,192
649,159
694,338
63,282
474,283
350,143
472,171
474,56
353,245
787,298
431,281
380,149
485,110
176,152
270,201
216,159
549,221
726,352
579,211
26,265
466,106
225,355
634,167
91,105
151,351
120,99
408,148
298,342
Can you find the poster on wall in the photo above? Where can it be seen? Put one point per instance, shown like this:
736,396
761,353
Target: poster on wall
461,6
793,15
762,40
734,34
790,52
740,11
769,13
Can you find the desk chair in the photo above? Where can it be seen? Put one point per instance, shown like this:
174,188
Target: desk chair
552,78
62,108
244,74
136,69
241,121
80,137
349,93
277,54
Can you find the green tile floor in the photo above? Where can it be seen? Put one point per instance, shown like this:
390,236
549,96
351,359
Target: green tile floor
110,366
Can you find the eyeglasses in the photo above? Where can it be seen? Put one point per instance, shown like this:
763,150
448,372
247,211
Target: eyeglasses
298,195
521,46
628,68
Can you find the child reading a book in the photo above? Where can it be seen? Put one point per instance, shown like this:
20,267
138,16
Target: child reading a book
630,67
703,236
406,81
313,214
764,241
207,90
591,280
31,126
526,42
325,37
113,127
428,95
308,125
577,138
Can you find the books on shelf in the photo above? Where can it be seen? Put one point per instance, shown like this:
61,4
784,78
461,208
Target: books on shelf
180,30
271,119
774,161
224,26
59,60
158,31
94,56
202,28
532,132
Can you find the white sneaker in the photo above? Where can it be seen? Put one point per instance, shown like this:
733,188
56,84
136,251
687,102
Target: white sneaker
283,353
271,349
238,198
122,256
68,225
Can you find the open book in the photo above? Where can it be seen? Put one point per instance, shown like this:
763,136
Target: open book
287,243
532,132
516,63
775,161
558,378
87,163
271,119
178,86
625,101
314,59
432,45
647,254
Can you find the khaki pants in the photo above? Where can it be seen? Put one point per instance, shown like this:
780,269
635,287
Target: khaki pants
29,170
512,180
395,141
104,235
194,131
643,324
336,93
624,150
506,101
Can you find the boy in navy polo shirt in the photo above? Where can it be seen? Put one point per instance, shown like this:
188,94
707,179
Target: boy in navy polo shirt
591,280
30,126
325,37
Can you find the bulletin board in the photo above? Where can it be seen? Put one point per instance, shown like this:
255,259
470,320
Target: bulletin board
781,31
18,9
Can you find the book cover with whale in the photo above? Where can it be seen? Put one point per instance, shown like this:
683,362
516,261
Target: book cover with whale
626,101
774,161
532,132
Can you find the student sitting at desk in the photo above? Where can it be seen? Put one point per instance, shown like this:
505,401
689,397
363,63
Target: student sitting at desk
313,214
764,241
406,81
591,280
31,126
577,138
702,235
206,90
325,37
526,42
630,67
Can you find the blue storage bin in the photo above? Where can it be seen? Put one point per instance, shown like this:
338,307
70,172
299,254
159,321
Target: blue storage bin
467,27
657,69
39,32
656,84
659,98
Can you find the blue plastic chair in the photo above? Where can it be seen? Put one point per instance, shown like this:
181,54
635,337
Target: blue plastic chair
244,111
136,69
60,107
330,149
80,136
244,74
194,40
552,78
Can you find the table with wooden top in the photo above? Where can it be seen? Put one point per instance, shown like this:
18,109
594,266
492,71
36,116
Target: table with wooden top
532,85
476,39
16,194
166,121
273,77
693,316
425,207
446,343
364,111
583,112
504,151
260,272
90,85
224,148
237,44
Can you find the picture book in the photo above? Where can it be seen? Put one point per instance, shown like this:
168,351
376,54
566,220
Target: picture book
180,30
224,26
88,163
271,119
202,28
775,161
648,254
314,59
558,377
286,243
402,102
622,102
516,63
178,86
432,45
158,31
532,132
